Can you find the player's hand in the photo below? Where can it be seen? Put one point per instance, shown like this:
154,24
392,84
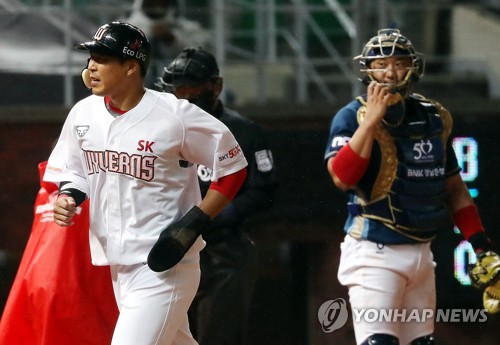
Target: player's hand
378,98
64,210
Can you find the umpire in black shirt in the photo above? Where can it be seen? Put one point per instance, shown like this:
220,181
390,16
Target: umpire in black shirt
219,313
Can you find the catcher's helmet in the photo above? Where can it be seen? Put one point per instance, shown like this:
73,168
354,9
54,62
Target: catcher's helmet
122,40
193,66
388,43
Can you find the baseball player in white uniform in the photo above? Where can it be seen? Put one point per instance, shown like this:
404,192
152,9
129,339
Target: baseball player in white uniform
133,152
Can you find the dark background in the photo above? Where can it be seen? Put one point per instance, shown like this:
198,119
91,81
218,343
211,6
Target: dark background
298,239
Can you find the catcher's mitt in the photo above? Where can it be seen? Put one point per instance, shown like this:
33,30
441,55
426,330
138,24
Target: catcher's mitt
486,270
491,298
485,275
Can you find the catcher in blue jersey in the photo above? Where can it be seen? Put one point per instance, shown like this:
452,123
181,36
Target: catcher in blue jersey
390,151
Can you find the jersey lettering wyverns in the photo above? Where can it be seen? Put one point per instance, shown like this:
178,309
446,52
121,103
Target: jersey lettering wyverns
138,166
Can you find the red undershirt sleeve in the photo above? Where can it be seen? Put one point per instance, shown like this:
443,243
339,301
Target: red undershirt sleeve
230,184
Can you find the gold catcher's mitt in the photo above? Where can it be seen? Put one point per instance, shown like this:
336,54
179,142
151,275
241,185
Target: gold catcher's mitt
485,275
491,298
486,270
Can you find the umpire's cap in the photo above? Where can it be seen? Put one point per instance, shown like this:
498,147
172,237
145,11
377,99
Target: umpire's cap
193,66
122,40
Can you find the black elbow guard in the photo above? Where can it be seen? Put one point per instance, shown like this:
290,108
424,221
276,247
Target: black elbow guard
176,239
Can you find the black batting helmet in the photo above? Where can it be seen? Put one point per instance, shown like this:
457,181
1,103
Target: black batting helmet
120,39
193,66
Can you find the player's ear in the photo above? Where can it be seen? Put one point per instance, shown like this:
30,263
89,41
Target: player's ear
218,84
133,66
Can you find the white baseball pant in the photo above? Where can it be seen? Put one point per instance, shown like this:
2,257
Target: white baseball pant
153,306
397,277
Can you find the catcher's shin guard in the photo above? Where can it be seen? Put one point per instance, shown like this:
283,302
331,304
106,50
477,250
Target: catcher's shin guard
381,339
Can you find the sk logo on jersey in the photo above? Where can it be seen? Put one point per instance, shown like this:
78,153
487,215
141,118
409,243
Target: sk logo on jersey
144,145
81,130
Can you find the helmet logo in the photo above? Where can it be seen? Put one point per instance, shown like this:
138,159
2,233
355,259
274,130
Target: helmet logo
134,54
100,33
134,51
136,45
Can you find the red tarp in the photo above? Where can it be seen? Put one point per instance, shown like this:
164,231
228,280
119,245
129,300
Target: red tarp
58,297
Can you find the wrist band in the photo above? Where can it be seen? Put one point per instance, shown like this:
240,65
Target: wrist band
467,220
72,190
348,166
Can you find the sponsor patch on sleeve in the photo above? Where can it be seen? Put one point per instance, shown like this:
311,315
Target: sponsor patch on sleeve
230,154
264,160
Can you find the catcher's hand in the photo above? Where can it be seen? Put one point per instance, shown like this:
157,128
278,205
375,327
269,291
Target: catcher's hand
486,270
491,298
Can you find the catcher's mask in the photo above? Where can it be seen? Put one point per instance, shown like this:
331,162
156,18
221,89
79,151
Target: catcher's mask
390,43
122,40
193,66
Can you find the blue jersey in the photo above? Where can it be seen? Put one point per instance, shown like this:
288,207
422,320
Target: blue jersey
400,198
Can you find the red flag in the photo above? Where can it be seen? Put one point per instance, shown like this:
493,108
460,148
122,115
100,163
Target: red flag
58,297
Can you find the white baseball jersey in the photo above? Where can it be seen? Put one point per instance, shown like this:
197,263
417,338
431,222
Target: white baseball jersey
135,168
